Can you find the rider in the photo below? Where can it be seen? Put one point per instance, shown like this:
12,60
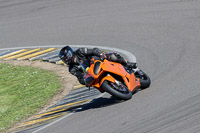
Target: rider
74,59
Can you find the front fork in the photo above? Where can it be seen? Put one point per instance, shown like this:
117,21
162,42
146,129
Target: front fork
108,78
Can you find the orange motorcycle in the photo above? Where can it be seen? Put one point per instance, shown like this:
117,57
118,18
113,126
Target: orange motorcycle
115,78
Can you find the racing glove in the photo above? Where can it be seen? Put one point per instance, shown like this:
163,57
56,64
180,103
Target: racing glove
103,56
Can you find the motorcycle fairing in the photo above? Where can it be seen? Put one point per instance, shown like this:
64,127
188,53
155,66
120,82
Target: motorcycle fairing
113,68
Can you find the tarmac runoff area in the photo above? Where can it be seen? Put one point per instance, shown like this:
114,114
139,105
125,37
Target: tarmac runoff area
78,97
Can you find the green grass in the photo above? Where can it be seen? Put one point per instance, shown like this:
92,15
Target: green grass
23,91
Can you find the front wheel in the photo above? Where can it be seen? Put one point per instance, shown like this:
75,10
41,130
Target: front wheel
145,81
119,91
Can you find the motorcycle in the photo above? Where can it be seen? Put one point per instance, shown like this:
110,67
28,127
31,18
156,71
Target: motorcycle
114,78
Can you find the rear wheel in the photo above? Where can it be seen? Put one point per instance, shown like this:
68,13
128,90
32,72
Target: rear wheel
117,89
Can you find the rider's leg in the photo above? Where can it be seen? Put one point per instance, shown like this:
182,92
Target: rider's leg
115,57
132,65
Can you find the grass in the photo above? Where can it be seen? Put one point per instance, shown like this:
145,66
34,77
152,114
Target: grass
23,91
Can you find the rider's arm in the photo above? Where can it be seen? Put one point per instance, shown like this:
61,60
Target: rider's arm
115,57
89,52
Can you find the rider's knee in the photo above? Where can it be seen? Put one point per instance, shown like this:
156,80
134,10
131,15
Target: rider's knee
89,80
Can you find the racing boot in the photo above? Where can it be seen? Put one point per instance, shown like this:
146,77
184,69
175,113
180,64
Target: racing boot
135,68
131,65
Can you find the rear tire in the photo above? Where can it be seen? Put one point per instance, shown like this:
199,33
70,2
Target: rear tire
108,88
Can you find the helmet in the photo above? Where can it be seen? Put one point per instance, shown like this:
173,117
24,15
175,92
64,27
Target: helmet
66,54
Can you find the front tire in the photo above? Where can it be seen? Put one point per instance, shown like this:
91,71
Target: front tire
110,89
145,81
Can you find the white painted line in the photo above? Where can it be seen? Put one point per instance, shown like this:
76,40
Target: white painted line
101,95
52,123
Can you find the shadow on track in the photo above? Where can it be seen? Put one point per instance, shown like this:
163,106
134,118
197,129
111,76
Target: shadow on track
100,103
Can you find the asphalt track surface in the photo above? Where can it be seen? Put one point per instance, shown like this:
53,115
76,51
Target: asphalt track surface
163,35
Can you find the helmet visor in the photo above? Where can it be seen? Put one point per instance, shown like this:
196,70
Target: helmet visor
68,56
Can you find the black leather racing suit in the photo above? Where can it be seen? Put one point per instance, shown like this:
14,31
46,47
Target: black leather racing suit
84,55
